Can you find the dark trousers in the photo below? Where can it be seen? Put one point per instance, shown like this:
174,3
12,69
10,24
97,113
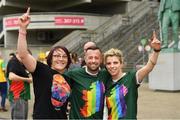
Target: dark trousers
3,93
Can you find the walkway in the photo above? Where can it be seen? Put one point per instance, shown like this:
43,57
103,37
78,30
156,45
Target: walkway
151,104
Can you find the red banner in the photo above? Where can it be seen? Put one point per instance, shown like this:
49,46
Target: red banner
11,22
69,21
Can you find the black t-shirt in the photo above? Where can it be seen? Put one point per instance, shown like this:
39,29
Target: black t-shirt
17,89
16,67
42,83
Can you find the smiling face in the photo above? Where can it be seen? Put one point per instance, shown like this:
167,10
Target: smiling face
113,60
93,59
59,60
114,66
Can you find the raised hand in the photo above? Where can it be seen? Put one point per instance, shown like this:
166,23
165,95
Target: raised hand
24,20
154,42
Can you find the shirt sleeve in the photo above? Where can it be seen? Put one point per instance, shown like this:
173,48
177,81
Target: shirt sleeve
137,79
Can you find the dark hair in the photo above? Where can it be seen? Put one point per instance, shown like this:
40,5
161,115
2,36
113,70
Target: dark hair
50,55
94,48
74,57
12,54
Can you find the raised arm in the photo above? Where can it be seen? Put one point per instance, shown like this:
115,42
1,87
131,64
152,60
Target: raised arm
156,46
27,59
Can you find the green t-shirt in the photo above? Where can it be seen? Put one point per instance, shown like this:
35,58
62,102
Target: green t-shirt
121,97
87,97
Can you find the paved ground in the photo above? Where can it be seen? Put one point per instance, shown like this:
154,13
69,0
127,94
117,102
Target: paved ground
151,104
158,104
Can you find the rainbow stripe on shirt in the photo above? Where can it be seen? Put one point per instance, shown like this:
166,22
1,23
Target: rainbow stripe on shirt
116,102
94,99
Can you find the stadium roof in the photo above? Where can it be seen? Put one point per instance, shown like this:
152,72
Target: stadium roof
17,6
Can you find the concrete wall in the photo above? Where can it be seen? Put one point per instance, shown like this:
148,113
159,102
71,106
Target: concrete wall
48,23
165,75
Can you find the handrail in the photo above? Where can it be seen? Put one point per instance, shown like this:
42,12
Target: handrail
118,30
113,25
144,26
75,35
1,34
141,8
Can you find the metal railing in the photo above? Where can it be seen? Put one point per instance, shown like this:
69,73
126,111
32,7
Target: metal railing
121,31
127,37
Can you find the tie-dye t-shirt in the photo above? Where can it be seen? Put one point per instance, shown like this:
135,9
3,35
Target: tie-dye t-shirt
87,97
121,97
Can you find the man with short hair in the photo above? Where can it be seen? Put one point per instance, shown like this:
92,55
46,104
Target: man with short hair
87,45
87,84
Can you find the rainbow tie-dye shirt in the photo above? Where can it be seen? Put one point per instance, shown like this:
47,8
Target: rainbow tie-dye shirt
121,97
116,102
88,94
93,99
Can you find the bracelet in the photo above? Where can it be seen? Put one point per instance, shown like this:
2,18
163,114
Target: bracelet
157,50
22,32
153,63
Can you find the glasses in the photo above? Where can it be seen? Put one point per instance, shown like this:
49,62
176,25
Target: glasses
60,56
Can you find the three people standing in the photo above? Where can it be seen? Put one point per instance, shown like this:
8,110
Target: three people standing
88,84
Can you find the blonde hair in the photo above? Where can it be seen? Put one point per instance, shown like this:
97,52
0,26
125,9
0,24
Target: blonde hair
113,52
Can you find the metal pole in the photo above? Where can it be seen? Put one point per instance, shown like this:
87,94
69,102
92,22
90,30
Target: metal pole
143,56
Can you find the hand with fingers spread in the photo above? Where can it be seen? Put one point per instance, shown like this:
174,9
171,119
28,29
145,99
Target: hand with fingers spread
24,20
155,43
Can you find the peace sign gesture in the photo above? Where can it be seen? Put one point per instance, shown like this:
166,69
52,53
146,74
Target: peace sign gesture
24,20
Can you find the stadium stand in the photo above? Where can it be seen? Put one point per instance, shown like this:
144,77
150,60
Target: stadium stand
110,23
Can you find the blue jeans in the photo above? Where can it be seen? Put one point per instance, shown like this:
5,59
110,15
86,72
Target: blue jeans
3,93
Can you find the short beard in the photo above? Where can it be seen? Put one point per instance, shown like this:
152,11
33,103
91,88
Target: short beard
93,71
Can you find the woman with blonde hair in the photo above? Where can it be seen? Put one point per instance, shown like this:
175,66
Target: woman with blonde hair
122,88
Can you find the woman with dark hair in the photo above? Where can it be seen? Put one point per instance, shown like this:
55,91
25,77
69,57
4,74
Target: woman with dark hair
46,77
50,55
